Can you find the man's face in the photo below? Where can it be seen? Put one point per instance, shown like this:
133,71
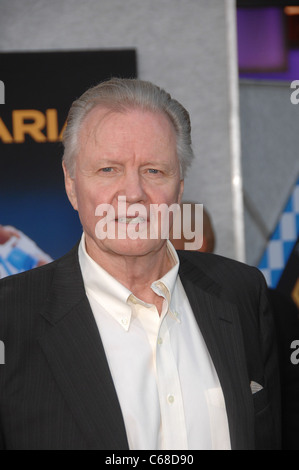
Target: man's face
130,157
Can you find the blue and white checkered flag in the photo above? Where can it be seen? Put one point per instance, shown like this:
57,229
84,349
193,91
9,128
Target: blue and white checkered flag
282,241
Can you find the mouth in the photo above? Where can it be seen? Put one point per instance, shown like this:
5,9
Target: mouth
131,220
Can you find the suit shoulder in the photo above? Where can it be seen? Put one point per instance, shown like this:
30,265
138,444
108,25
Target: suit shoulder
224,271
24,299
28,279
216,262
33,283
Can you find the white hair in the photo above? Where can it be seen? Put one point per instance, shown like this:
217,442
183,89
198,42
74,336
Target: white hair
120,95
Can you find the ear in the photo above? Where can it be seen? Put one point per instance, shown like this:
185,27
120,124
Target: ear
70,187
181,191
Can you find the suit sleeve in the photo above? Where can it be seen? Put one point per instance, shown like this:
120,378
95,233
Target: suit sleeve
286,316
269,349
2,446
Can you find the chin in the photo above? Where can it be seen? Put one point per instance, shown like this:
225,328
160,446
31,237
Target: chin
135,247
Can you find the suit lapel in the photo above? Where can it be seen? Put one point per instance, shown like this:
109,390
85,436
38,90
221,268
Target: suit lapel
219,324
76,356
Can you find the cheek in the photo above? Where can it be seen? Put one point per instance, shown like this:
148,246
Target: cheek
172,195
90,196
87,204
167,192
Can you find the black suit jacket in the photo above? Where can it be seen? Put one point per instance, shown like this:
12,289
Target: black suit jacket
286,318
56,390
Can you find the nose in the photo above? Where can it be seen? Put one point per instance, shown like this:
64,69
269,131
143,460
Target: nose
133,188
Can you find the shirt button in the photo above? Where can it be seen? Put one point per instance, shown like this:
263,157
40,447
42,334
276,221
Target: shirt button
160,341
170,399
124,321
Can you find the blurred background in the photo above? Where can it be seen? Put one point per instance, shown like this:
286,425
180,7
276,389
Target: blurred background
231,63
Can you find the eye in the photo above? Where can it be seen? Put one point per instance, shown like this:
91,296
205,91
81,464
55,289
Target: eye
108,169
153,171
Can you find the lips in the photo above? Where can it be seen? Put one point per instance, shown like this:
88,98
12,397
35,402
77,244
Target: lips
131,220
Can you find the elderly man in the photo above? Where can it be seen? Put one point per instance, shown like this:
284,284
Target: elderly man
123,343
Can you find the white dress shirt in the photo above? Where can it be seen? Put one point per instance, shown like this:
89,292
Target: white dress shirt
166,383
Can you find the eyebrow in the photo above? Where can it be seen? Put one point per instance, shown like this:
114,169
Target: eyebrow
154,164
108,162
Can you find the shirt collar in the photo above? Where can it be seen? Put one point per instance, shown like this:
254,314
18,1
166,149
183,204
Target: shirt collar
166,284
114,296
169,279
104,288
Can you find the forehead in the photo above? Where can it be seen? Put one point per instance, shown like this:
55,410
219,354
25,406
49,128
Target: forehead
104,126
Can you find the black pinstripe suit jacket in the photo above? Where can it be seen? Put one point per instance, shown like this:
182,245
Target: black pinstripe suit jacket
56,390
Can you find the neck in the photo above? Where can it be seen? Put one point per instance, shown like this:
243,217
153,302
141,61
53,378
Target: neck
137,273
